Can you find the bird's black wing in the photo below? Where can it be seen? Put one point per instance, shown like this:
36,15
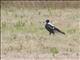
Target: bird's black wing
49,26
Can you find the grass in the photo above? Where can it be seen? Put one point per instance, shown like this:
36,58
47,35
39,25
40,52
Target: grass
54,51
23,30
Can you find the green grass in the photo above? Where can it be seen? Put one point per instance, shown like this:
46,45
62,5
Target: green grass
54,51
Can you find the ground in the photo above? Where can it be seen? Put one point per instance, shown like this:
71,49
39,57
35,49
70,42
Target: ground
24,37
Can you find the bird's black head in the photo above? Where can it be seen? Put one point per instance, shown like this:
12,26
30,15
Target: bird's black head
47,21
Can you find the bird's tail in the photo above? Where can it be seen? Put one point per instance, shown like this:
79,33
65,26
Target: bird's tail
59,30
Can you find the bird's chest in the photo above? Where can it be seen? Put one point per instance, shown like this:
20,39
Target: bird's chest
47,27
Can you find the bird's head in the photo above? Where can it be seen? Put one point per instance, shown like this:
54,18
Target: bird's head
47,21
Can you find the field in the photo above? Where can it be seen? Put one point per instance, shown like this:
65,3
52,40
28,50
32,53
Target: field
24,37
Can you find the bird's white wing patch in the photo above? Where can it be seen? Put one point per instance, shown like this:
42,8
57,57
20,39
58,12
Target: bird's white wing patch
50,24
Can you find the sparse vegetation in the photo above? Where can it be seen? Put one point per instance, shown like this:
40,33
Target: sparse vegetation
54,51
22,29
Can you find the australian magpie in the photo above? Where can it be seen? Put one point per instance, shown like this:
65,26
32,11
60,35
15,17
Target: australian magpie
51,28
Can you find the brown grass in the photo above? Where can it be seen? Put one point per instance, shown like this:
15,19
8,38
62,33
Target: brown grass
23,33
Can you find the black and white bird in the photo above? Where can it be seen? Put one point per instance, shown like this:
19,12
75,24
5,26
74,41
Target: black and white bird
51,28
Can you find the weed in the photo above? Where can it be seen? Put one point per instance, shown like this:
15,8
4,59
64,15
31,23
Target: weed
20,24
54,51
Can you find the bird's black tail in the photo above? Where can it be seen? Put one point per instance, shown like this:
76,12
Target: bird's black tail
56,29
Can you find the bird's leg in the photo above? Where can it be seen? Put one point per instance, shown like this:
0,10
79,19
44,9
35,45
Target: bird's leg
49,33
53,32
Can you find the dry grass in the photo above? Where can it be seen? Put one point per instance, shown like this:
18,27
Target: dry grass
23,33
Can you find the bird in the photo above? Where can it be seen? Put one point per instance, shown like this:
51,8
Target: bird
51,28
